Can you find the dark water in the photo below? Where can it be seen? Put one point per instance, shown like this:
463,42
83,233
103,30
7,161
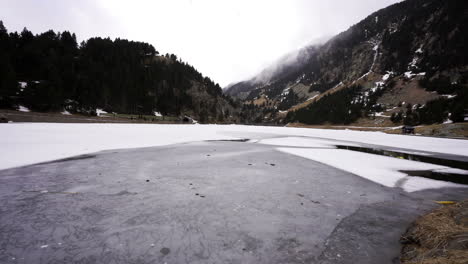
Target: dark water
435,175
401,155
230,140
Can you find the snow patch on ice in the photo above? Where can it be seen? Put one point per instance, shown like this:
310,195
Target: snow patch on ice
29,143
380,169
303,142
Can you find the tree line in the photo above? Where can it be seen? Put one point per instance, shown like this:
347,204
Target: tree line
51,71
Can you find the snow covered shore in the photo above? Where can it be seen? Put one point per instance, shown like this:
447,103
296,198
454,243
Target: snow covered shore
29,143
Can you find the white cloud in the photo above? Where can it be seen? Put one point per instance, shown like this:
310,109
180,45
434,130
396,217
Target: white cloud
227,40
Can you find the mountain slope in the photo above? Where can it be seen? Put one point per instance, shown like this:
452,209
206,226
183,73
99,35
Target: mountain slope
51,72
398,58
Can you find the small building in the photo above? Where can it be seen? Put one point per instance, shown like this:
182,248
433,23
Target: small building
407,130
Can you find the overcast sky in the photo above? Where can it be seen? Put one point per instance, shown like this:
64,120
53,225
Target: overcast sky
227,40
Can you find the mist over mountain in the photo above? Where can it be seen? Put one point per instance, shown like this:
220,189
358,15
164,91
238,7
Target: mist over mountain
404,63
287,64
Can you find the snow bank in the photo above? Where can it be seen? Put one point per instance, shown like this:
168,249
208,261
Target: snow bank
428,144
304,142
379,169
23,85
99,112
28,143
23,109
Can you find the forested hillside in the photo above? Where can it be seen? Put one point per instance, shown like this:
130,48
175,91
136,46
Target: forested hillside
51,72
406,63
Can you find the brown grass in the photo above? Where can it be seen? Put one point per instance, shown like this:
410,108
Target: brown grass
459,130
431,238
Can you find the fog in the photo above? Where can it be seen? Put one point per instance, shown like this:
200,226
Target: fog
228,41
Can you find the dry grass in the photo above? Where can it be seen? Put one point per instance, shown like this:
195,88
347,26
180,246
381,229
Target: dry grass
438,237
459,130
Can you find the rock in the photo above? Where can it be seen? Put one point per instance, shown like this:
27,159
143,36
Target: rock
165,251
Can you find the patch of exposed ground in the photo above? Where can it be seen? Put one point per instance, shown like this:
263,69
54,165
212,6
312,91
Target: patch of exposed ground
444,130
260,101
51,117
306,103
367,81
406,91
458,130
302,91
440,237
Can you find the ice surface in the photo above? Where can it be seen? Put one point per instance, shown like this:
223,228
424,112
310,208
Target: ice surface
376,168
29,143
303,142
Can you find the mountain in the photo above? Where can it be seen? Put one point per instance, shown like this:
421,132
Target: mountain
404,63
285,66
51,72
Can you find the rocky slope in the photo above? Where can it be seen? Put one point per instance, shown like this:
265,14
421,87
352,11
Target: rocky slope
406,62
